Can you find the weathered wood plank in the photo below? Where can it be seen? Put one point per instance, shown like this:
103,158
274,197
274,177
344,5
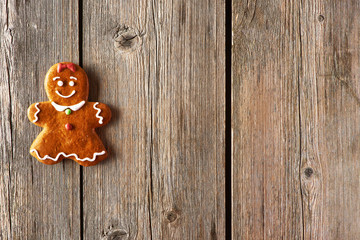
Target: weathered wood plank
160,66
266,196
36,201
306,131
330,126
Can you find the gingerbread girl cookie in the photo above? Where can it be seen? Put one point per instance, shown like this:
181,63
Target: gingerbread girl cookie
68,119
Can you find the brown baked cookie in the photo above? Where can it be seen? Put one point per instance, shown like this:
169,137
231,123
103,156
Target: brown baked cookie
68,119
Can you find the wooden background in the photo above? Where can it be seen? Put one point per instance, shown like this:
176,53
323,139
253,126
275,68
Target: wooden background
231,119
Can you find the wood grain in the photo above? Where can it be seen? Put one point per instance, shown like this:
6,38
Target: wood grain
36,201
160,66
329,110
266,201
295,101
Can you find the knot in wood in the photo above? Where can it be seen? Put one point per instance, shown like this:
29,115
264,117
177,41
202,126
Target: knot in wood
126,39
308,172
321,18
171,216
117,234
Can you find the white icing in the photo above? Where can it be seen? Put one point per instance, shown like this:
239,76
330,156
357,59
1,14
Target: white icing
69,155
97,114
71,83
60,83
73,78
71,94
74,107
35,115
55,78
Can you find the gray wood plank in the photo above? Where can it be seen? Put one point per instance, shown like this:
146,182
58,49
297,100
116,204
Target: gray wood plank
160,66
296,105
266,195
330,126
36,201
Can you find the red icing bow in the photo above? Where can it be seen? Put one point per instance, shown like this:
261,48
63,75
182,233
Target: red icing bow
62,66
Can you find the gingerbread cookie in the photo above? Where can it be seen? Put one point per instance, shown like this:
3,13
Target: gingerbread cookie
68,119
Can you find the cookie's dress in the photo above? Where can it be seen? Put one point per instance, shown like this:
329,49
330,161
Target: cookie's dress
69,132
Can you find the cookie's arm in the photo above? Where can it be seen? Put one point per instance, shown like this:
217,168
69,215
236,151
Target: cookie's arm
102,114
33,114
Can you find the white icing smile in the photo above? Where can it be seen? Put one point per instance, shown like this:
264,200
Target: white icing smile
71,94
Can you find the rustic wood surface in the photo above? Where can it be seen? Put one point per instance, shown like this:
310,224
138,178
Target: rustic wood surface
160,66
329,84
295,127
36,201
266,201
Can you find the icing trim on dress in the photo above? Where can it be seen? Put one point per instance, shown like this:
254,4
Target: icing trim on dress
68,155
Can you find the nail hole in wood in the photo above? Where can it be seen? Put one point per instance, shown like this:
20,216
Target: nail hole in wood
321,18
309,172
171,216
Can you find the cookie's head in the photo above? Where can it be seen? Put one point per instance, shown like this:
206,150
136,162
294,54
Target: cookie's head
66,84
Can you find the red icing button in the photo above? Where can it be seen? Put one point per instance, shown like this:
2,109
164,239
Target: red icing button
68,126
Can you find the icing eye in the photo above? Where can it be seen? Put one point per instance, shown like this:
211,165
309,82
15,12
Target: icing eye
60,83
71,83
